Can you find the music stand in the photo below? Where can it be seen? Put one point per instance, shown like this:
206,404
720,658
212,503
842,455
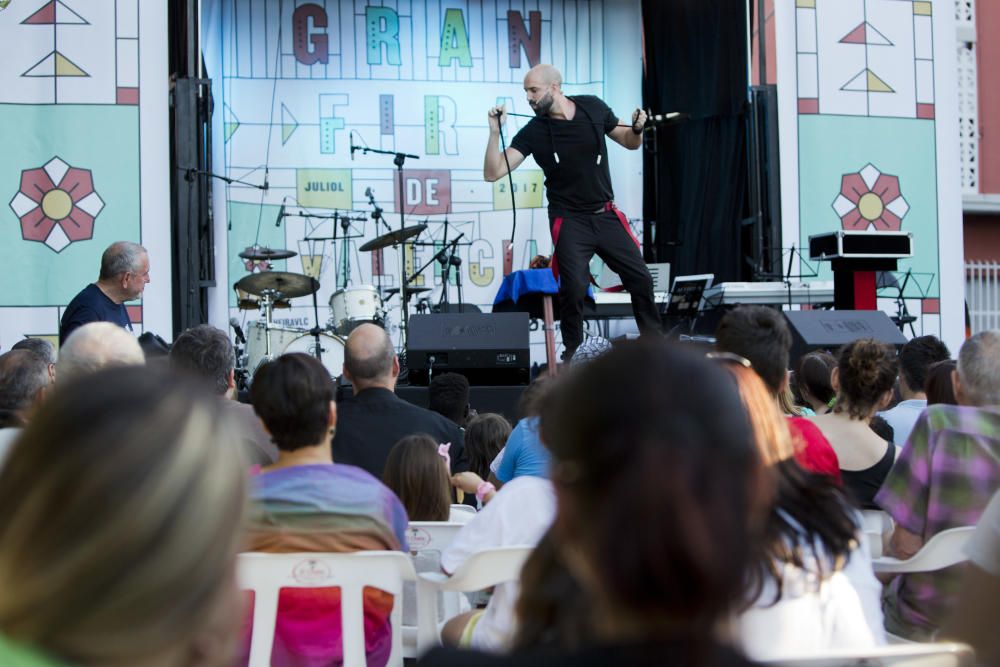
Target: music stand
686,297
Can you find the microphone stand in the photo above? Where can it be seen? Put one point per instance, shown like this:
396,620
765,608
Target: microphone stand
441,255
398,160
191,172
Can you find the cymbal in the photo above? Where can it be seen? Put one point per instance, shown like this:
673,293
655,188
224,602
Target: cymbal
393,237
390,291
263,253
285,285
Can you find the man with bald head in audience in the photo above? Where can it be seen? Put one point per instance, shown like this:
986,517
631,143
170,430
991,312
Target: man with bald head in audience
24,379
124,275
374,419
95,346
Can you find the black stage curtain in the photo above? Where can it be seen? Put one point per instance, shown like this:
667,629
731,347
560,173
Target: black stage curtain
695,171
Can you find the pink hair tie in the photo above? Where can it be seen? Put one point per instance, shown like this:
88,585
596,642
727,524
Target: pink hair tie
443,452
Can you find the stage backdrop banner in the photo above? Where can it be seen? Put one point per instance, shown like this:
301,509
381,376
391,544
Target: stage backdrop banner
869,141
83,97
296,82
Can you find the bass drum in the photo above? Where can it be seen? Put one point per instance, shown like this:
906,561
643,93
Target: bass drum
331,349
257,337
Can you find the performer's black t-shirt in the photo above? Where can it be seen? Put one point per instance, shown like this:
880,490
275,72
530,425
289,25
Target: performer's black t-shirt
92,305
577,183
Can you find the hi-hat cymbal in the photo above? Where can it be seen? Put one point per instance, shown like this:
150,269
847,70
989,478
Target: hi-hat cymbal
390,291
259,253
393,237
282,284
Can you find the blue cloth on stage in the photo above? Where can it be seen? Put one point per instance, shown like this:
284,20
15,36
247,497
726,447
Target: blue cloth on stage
529,281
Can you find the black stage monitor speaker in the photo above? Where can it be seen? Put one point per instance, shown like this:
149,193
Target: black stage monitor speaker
829,329
488,348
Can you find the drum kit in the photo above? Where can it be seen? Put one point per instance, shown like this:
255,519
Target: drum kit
349,307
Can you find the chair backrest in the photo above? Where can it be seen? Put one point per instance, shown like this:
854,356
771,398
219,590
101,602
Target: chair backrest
943,550
901,655
875,524
461,513
431,535
485,568
266,574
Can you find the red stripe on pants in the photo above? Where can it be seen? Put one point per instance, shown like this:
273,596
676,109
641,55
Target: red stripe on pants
554,264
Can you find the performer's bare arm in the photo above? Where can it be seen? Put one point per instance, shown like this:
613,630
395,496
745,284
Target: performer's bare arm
494,166
626,136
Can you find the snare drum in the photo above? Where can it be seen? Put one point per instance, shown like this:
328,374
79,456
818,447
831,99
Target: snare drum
352,306
331,349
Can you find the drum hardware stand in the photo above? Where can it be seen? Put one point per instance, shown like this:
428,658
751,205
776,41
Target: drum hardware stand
376,215
315,331
267,299
345,220
398,159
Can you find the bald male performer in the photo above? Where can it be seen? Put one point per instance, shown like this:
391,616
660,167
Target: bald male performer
567,138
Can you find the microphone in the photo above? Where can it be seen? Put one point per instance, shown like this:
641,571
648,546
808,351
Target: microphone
670,117
353,148
266,186
235,324
281,212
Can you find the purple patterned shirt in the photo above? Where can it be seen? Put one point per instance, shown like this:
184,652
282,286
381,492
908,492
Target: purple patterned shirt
944,478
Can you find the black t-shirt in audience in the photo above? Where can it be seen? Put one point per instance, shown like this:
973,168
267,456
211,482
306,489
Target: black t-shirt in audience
92,305
372,421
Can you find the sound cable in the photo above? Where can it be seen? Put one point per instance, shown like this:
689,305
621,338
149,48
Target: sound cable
510,182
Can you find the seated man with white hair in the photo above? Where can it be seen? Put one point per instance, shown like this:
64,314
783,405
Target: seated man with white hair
94,346
944,478
24,379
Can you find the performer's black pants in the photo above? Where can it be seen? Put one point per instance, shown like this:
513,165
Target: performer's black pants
580,236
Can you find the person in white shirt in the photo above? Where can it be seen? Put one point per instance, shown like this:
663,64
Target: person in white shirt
915,358
516,515
813,588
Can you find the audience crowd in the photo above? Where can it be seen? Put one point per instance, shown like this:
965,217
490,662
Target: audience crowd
683,506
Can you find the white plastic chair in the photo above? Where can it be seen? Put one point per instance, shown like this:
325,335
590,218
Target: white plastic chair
266,574
482,570
943,550
429,539
877,526
909,655
431,535
461,513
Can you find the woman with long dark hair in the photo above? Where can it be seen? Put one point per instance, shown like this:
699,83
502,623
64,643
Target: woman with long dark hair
812,587
660,495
